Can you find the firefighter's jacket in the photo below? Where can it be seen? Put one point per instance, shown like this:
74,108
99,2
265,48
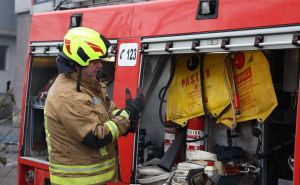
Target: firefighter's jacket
69,117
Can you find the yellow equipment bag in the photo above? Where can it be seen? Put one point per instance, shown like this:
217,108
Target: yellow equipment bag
184,100
254,88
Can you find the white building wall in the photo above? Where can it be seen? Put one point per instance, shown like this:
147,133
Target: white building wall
8,40
23,27
22,6
8,73
22,11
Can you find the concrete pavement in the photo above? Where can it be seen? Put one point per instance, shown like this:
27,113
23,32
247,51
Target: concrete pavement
9,138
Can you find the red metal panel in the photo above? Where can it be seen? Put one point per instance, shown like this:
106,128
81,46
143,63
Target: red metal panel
297,143
178,17
21,170
126,77
24,95
111,21
21,174
119,183
33,164
40,177
167,17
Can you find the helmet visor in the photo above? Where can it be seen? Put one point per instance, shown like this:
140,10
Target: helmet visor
108,59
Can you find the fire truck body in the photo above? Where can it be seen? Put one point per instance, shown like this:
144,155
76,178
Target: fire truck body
158,30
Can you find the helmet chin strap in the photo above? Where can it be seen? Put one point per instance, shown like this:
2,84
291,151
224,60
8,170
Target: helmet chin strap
78,79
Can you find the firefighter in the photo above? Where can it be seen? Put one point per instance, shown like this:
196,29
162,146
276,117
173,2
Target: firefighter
81,123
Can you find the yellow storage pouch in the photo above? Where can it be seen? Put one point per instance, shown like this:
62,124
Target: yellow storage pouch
184,100
254,88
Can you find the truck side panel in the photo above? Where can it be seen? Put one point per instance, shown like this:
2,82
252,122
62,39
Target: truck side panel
179,17
112,21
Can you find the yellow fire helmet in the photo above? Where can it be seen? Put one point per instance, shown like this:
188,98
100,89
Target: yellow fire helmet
84,44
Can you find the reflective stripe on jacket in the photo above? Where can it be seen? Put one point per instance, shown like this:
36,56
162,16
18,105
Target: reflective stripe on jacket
82,174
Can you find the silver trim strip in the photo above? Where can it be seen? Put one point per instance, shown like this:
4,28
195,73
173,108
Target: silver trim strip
272,38
287,29
274,43
208,47
53,47
239,45
36,44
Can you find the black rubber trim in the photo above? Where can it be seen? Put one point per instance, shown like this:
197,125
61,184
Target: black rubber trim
82,54
202,85
94,142
106,41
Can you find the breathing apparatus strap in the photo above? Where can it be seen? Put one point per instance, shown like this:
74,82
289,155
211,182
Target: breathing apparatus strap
204,104
163,91
78,79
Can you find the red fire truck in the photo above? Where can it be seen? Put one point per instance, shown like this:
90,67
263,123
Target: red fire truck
145,37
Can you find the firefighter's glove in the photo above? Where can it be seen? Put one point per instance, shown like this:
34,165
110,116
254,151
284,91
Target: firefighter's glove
133,126
134,107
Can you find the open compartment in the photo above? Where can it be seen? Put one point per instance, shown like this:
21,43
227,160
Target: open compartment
42,74
268,145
